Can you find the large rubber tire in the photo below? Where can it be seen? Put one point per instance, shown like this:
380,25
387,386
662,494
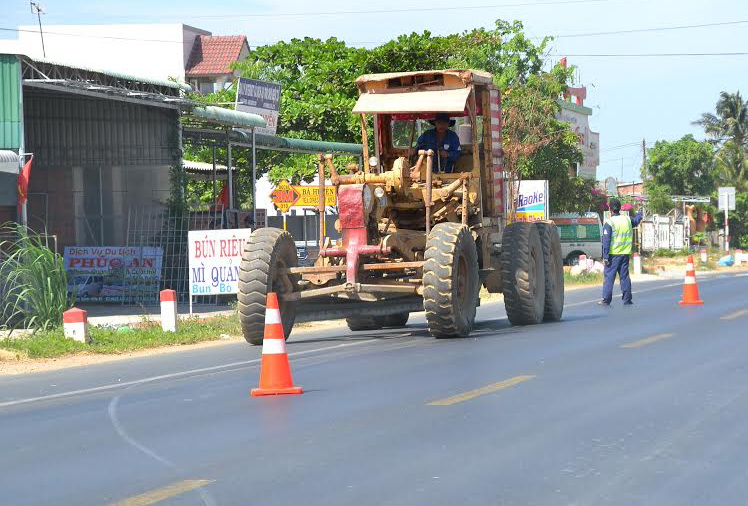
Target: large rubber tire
523,274
357,323
451,282
266,252
377,322
396,320
554,270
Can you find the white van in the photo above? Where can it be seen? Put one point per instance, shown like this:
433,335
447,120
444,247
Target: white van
580,235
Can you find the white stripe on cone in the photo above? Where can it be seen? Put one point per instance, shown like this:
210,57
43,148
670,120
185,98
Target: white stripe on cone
690,280
272,316
273,347
689,267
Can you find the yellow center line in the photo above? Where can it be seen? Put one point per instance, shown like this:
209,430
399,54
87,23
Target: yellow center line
470,394
736,314
163,493
648,340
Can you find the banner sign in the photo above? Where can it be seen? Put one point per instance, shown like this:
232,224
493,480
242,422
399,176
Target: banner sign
261,98
286,195
214,258
532,200
113,274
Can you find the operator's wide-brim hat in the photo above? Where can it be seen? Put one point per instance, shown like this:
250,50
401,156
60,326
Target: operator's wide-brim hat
443,116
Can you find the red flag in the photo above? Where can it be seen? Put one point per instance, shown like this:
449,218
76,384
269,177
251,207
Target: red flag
222,199
23,183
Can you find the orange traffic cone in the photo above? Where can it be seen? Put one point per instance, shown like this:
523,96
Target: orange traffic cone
690,288
275,370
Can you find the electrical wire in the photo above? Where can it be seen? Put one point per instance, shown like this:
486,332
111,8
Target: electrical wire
395,11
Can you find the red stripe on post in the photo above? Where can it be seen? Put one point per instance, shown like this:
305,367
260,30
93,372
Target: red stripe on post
168,295
74,315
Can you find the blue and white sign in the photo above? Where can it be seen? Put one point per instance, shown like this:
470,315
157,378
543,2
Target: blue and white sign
532,200
261,98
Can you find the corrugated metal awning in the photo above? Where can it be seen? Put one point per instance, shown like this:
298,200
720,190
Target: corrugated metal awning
448,101
229,117
8,161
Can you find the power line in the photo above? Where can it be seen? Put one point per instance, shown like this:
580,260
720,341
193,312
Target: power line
642,30
5,29
621,146
394,11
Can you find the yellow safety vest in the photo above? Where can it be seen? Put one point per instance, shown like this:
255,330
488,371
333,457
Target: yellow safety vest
623,234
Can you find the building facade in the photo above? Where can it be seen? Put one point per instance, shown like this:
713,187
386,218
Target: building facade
156,51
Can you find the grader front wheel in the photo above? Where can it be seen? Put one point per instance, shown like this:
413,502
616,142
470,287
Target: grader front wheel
265,255
450,280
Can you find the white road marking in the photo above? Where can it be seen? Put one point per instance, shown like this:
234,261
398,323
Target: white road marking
180,374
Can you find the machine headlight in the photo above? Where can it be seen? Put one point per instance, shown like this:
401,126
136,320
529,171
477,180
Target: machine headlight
368,198
379,192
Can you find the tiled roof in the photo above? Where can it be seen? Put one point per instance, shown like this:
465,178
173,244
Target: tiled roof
212,54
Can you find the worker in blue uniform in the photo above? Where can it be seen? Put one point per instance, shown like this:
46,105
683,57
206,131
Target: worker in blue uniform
618,235
444,142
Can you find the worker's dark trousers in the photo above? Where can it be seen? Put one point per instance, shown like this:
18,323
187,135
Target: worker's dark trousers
619,264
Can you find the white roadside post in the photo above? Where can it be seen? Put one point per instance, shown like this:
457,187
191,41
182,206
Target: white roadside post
637,264
75,324
726,203
169,310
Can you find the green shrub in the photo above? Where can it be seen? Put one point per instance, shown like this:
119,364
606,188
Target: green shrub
36,291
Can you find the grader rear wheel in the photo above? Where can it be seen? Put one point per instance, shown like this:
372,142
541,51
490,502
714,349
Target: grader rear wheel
268,251
554,271
523,274
450,280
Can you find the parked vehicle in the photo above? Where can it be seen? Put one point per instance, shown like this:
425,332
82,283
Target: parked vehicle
580,235
86,286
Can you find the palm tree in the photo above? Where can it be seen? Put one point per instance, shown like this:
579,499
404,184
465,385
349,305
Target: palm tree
729,122
731,165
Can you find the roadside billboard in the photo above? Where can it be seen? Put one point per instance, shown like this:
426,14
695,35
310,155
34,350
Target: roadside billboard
113,274
261,98
532,200
213,260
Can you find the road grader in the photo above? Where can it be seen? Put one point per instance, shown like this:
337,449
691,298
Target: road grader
414,237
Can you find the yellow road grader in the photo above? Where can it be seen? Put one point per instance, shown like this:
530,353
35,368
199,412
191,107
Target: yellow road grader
414,237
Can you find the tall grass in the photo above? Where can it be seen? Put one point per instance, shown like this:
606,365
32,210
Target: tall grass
36,292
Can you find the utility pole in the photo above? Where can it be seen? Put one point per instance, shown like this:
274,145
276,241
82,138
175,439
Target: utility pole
644,156
35,7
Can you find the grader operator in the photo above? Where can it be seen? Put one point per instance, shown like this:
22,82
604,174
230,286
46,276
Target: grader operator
415,236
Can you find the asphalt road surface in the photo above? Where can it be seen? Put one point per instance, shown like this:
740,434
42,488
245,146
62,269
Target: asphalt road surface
641,405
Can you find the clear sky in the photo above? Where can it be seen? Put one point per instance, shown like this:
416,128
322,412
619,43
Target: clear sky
633,97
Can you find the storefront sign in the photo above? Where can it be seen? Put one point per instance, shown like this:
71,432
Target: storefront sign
532,200
113,274
261,98
214,258
286,195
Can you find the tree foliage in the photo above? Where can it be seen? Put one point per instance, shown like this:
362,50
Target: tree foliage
729,121
682,167
319,92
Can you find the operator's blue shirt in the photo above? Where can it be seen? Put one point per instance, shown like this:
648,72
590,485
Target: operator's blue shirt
451,144
608,232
